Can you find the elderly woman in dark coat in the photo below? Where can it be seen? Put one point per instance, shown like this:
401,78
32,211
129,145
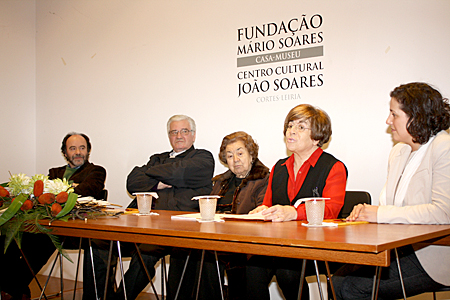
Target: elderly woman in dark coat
242,188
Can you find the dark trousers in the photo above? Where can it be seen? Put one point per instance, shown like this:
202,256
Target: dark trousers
261,269
356,282
15,275
94,281
135,277
209,284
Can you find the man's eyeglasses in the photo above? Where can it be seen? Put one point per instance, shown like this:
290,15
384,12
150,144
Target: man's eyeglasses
183,131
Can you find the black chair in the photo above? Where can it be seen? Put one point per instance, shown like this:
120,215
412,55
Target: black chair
105,195
353,198
443,289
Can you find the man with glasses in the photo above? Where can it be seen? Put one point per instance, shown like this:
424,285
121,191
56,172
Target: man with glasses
176,176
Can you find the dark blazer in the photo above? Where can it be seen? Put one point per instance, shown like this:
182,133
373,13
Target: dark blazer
90,179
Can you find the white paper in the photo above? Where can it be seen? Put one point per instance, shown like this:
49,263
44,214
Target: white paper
149,214
197,217
257,216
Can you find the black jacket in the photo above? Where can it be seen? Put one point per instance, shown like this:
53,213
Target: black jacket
90,179
189,174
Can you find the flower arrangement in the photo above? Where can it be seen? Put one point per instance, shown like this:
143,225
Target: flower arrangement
26,200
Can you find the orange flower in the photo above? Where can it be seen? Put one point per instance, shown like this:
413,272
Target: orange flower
47,198
28,204
62,197
3,192
56,208
38,188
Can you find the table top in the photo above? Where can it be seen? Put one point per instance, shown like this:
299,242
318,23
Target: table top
363,243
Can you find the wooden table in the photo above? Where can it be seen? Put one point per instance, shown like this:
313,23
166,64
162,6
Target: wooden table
367,244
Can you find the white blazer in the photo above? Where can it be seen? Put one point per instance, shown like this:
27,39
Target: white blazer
427,200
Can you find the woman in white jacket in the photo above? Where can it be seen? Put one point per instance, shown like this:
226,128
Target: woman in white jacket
417,191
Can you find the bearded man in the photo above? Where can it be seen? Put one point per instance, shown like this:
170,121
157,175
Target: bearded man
86,178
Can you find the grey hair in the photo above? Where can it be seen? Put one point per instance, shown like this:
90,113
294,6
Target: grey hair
177,118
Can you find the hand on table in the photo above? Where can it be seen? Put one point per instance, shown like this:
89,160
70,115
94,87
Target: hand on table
364,212
258,209
280,213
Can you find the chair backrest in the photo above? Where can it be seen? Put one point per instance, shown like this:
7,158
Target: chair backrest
105,195
353,198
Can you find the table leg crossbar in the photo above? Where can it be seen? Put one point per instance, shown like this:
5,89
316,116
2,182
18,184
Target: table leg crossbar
400,273
329,280
163,277
375,288
121,272
146,272
377,278
60,257
200,274
122,269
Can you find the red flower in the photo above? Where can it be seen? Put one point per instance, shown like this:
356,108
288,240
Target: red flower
38,188
3,192
47,198
56,208
28,204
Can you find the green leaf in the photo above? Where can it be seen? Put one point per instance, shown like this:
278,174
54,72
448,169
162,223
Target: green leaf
71,201
18,237
54,239
11,233
13,208
65,218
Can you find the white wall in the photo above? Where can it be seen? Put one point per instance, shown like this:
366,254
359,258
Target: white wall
118,69
17,88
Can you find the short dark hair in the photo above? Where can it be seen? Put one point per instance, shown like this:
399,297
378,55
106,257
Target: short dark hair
427,110
246,138
319,121
64,148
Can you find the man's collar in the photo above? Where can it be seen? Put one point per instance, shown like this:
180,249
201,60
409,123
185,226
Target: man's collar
174,154
76,168
79,167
